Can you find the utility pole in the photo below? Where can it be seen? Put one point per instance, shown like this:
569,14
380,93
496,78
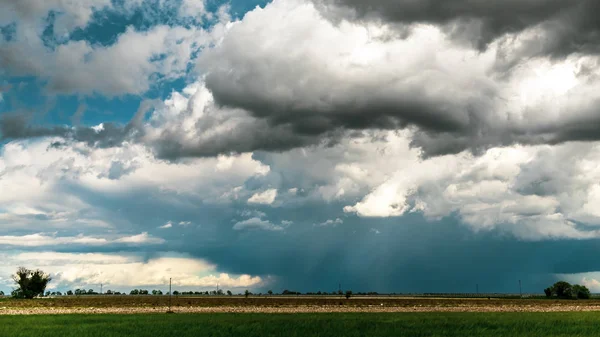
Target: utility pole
170,294
101,289
520,290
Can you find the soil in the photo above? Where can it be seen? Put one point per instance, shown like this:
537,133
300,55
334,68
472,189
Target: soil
289,305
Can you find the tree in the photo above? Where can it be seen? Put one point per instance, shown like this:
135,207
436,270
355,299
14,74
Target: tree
563,289
229,293
270,292
581,292
348,294
175,292
246,293
31,283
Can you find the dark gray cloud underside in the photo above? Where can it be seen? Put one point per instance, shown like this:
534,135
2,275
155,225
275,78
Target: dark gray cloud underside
111,135
571,25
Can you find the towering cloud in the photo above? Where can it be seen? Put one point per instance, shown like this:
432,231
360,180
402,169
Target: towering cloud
455,97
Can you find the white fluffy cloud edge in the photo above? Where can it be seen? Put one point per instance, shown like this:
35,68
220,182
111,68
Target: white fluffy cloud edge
123,272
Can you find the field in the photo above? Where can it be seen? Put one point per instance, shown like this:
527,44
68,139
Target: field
297,316
282,304
345,324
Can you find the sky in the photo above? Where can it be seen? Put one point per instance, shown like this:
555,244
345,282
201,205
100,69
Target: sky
391,145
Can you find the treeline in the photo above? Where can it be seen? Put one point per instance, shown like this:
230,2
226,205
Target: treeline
220,292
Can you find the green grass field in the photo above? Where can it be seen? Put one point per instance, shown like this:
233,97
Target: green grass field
301,325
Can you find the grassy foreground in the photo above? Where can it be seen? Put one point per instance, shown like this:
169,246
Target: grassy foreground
247,325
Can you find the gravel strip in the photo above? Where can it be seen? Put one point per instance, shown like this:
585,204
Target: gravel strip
295,309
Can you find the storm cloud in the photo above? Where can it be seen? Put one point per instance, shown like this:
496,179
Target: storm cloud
275,82
452,96
300,144
566,26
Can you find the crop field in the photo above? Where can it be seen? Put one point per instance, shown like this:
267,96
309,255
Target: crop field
342,324
284,304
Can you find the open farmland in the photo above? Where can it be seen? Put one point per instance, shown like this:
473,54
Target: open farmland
281,304
347,324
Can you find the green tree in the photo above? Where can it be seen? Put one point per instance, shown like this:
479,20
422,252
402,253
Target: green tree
246,293
229,293
348,294
30,283
581,292
563,289
566,290
270,292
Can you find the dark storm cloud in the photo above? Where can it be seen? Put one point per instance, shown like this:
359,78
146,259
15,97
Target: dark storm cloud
451,105
410,255
478,140
247,136
297,101
18,126
571,25
379,110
